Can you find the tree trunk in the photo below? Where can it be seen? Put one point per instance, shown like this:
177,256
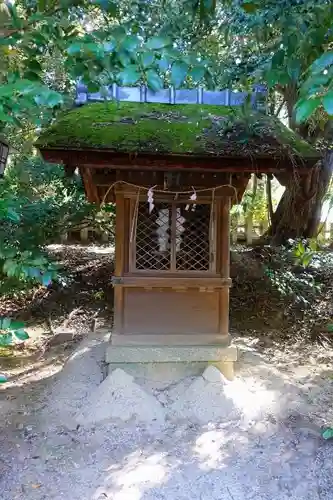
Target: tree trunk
299,210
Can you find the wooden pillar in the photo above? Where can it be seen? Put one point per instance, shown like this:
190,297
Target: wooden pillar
120,235
249,227
84,235
224,261
89,185
263,226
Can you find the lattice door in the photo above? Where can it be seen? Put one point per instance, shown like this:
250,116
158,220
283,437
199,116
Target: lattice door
174,237
153,237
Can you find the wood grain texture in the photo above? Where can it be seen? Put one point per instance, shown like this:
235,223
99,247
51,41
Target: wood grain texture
99,158
120,261
157,312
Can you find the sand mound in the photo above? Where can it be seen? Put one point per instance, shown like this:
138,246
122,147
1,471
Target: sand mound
212,398
119,397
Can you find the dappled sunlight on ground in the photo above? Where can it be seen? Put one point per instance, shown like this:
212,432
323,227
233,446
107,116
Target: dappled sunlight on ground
267,450
138,475
89,249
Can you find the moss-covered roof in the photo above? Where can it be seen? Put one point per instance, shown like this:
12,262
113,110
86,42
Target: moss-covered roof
177,129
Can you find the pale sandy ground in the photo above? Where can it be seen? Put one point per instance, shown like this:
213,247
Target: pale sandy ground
256,438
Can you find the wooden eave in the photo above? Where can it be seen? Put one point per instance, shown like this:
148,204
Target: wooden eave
97,158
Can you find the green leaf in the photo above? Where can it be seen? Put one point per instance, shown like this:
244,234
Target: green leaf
301,248
13,216
313,245
7,90
3,379
33,272
9,266
118,32
292,42
197,73
31,75
46,279
109,46
209,5
130,43
158,42
95,49
124,58
178,73
5,323
328,433
315,83
4,116
306,259
294,69
322,62
7,41
6,339
16,325
107,5
163,63
277,59
34,66
21,334
130,75
147,59
305,108
328,102
317,35
48,98
154,81
275,76
74,48
329,327
39,261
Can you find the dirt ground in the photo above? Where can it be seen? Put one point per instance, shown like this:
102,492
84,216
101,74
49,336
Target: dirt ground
268,446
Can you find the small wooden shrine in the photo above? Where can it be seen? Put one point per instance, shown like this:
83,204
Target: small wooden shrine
173,172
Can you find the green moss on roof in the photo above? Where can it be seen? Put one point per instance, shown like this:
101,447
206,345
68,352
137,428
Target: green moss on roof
177,129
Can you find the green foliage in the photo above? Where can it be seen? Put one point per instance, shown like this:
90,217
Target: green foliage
302,287
115,50
38,204
11,330
45,46
328,433
304,251
286,276
287,44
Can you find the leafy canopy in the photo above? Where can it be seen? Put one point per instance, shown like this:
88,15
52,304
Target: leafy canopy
130,42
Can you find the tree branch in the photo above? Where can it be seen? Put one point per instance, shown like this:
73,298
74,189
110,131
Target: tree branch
269,201
278,111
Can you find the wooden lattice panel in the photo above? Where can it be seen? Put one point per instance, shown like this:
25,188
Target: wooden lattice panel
173,237
153,249
192,237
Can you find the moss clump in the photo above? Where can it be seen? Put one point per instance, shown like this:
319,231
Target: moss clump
177,129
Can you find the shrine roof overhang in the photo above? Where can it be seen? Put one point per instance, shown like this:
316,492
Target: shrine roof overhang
147,161
163,136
